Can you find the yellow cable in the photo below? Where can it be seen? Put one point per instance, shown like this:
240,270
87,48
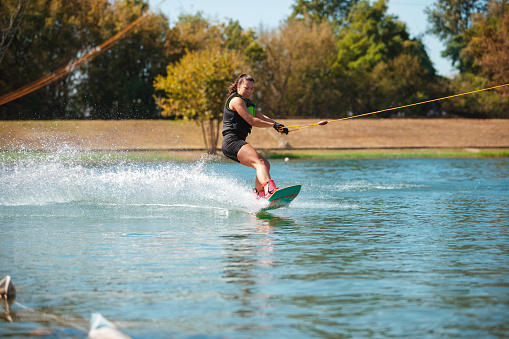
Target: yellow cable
296,128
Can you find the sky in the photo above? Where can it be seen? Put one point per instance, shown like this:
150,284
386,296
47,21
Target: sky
270,13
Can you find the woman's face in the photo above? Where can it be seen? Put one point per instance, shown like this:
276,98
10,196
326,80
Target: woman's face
245,88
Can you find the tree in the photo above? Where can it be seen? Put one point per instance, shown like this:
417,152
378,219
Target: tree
53,33
195,89
235,37
195,32
488,43
335,11
449,20
10,21
293,77
378,65
119,83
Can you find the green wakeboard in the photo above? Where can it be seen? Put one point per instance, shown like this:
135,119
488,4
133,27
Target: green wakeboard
282,197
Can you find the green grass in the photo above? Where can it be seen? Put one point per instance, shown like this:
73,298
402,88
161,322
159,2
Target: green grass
111,157
382,153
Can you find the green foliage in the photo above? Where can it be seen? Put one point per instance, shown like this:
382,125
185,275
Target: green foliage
235,38
195,32
318,11
118,83
293,77
195,85
378,65
488,44
11,21
370,37
330,58
195,88
485,105
487,49
52,33
449,20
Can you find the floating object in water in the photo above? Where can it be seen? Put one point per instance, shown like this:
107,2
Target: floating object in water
100,328
7,289
7,294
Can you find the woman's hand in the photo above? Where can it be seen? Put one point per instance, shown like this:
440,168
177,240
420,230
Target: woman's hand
280,128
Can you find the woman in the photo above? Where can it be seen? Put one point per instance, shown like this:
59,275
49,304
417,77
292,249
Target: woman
238,118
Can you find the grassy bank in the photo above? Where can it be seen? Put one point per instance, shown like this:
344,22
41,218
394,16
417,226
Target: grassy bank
389,153
105,157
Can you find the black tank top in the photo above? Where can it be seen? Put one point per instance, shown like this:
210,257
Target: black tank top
233,122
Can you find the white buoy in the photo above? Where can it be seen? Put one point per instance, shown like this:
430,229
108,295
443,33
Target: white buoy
287,159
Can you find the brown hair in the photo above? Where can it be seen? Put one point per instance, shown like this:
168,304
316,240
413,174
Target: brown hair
233,87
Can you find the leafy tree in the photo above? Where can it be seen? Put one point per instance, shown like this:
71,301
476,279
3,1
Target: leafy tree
236,38
10,21
212,53
378,65
292,76
52,34
449,20
335,11
118,83
488,43
485,105
488,46
195,88
196,32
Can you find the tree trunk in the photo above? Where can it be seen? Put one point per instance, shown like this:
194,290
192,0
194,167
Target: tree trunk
202,124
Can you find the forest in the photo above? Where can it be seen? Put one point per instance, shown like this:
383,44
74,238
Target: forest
328,59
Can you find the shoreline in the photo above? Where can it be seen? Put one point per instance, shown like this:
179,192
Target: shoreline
149,140
137,155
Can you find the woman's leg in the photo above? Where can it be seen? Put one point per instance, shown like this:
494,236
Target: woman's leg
248,156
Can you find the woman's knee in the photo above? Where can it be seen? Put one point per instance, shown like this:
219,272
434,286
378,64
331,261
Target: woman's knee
265,162
259,162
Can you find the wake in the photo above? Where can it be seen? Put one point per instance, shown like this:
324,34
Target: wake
36,182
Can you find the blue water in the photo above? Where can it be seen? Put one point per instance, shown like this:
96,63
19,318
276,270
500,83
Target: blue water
382,248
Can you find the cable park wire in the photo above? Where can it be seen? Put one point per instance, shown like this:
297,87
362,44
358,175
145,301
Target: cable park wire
325,122
70,67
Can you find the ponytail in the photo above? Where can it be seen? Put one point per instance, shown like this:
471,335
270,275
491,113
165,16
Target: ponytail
233,87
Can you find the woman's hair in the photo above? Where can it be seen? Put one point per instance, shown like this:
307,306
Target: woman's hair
233,87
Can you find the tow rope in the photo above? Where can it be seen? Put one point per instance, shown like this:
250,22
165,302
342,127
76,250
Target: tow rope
325,122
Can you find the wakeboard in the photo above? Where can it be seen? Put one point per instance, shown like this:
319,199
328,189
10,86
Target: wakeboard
282,197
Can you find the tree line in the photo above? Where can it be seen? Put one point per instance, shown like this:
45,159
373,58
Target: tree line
330,59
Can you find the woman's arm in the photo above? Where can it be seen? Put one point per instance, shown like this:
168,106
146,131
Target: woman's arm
259,115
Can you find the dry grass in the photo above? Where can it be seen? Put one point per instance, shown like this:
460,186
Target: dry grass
402,133
355,134
100,134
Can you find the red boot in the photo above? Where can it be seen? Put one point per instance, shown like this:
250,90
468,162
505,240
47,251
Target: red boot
259,194
268,188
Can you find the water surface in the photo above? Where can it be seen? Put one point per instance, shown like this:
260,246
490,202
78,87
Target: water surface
382,248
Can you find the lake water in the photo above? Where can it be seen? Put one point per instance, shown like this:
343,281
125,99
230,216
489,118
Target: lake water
380,248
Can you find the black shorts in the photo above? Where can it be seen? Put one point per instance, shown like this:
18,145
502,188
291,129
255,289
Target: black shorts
232,145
